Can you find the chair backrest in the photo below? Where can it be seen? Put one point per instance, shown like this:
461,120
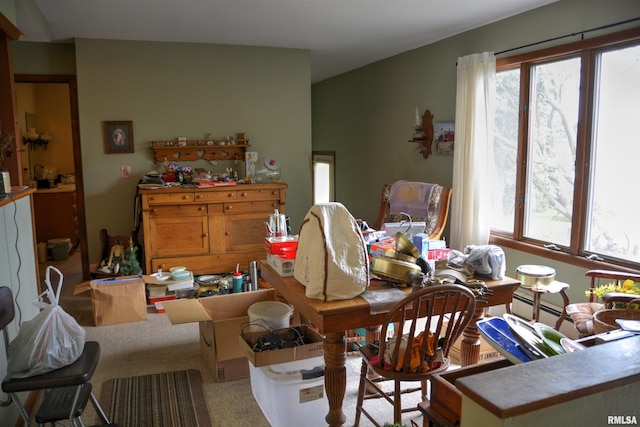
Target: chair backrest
7,313
611,275
7,309
426,311
439,203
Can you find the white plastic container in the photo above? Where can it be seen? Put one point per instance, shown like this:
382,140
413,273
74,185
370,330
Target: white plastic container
292,393
271,314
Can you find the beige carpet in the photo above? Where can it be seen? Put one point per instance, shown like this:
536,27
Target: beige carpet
155,346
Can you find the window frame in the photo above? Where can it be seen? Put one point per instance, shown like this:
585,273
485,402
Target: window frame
587,51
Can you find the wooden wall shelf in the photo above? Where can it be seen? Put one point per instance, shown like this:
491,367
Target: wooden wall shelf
199,150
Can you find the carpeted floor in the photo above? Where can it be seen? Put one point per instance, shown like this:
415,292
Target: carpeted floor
154,346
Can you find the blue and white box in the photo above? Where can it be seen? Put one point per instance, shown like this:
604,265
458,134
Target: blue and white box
424,244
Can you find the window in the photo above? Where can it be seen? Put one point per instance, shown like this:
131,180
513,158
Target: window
323,176
567,147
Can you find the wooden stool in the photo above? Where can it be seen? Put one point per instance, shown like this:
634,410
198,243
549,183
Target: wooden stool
553,288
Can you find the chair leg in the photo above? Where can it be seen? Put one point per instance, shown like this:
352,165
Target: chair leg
98,408
397,403
21,410
361,389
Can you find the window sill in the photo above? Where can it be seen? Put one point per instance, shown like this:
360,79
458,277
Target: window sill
559,256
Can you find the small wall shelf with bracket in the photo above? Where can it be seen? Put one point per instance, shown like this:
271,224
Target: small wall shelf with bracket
195,149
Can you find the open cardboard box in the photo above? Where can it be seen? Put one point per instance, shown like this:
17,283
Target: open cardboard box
314,347
116,300
221,319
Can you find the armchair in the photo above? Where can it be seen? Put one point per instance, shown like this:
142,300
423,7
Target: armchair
438,209
581,313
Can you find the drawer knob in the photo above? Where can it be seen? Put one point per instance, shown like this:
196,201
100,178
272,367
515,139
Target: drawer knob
228,207
154,210
229,194
199,196
243,194
204,235
201,208
185,197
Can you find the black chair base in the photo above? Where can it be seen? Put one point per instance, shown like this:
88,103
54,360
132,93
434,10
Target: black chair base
57,403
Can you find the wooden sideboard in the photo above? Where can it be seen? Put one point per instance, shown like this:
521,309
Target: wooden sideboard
208,230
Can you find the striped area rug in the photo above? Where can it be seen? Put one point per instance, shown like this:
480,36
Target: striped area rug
168,399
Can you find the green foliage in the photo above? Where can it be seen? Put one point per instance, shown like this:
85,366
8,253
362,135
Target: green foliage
130,265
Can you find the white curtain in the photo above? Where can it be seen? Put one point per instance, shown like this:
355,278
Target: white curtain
473,152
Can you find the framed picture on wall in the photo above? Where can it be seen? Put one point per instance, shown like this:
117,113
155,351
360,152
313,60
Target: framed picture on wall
444,136
118,137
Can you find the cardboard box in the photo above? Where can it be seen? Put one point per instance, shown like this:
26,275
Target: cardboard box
487,352
424,244
315,348
283,266
221,319
438,254
116,300
379,248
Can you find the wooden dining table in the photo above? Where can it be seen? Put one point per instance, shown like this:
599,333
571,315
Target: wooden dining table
334,318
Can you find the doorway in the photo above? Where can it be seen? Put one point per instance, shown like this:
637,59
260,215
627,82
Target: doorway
324,173
72,136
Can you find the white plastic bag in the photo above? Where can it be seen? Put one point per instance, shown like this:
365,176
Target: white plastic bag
487,260
51,340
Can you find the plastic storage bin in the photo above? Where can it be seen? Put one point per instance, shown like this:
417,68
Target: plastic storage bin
291,393
59,248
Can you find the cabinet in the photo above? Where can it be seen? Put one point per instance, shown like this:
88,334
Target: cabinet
56,215
208,230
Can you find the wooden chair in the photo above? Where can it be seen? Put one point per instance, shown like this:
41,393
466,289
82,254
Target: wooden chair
106,243
581,313
420,314
439,204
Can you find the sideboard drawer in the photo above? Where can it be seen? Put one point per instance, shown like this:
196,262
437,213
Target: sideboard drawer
178,210
170,198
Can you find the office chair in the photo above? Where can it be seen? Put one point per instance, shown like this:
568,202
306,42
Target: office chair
67,390
428,342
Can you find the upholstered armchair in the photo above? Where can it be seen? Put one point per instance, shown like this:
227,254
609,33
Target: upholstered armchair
437,203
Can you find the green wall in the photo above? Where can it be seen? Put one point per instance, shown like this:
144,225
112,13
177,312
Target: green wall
178,89
366,115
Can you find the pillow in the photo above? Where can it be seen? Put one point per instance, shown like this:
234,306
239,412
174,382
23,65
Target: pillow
582,316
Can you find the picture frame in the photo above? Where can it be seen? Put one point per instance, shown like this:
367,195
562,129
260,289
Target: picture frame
444,137
118,137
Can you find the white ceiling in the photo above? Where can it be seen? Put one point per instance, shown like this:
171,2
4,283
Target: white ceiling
340,34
